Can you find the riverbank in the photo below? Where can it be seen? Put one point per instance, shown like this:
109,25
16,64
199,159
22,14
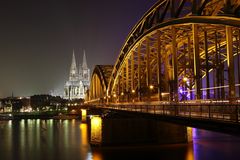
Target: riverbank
38,115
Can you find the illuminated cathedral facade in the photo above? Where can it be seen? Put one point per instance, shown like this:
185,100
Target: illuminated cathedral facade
79,80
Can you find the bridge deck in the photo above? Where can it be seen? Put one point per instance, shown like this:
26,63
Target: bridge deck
223,117
222,111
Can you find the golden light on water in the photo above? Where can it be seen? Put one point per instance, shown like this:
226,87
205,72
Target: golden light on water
190,154
83,128
84,115
97,156
96,129
189,134
73,122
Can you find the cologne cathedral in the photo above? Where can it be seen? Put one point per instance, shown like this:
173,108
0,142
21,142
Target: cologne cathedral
79,80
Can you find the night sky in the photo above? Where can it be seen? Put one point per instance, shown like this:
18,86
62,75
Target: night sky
37,38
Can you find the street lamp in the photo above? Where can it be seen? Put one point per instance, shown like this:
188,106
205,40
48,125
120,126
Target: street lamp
151,87
114,97
133,92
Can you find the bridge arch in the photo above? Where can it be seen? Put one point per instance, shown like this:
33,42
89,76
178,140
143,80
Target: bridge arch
99,83
180,50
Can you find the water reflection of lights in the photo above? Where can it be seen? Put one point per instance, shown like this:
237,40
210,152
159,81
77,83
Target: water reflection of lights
84,138
89,156
194,145
189,134
96,121
29,121
51,122
96,129
22,123
73,122
190,150
38,121
94,156
10,123
84,115
97,156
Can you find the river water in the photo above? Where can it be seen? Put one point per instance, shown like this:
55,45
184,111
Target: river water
67,140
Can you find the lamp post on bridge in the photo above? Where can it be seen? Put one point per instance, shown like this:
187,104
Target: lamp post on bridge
114,98
151,87
122,96
133,95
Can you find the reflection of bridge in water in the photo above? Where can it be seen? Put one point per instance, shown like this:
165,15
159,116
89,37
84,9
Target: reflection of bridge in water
183,57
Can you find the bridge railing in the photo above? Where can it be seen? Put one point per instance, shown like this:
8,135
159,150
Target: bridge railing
218,111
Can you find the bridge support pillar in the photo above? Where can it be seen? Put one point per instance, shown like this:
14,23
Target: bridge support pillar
238,59
148,69
174,65
159,68
139,72
190,65
127,79
230,62
132,130
207,64
132,78
196,62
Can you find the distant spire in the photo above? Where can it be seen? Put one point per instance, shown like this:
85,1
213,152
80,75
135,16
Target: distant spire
73,69
84,64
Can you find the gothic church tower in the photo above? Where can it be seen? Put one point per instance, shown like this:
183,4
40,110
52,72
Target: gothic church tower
73,70
79,81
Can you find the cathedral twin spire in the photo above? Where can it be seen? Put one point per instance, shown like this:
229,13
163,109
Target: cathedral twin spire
84,64
73,70
79,79
74,74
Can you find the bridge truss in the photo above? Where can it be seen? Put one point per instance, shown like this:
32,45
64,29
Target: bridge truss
179,50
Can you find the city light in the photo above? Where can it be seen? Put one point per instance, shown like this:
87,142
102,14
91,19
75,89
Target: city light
73,111
151,87
185,79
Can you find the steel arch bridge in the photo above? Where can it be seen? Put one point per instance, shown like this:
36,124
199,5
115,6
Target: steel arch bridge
99,82
179,50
